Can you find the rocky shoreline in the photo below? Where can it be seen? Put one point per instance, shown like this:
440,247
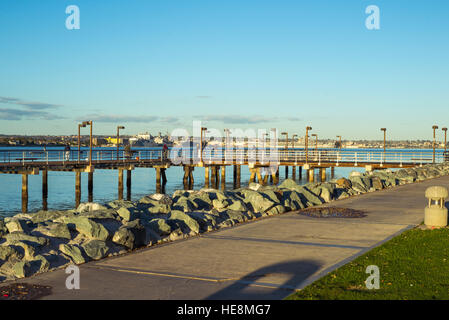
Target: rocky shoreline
47,240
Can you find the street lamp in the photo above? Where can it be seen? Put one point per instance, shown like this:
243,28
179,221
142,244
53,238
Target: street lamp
286,139
385,137
80,125
118,139
307,142
201,144
274,134
90,151
434,127
445,134
264,138
226,147
316,141
286,145
293,141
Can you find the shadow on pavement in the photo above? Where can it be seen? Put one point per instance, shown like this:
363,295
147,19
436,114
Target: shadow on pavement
252,285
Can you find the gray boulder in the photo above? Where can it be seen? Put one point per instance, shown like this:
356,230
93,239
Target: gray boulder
90,206
53,229
184,221
96,249
20,236
256,201
184,204
125,237
160,226
87,227
7,252
73,252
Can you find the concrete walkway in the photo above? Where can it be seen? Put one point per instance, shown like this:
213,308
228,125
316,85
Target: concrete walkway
264,259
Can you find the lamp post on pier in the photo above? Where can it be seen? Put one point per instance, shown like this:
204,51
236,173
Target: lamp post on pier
225,144
434,127
286,143
385,137
307,142
80,125
264,149
316,141
201,145
445,136
118,139
293,141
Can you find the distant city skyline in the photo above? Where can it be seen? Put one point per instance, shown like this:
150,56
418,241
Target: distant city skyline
157,65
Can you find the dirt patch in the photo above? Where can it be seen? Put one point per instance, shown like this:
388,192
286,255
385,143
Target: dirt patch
332,212
24,291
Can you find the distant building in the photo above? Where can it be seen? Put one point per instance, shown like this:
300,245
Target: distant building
143,136
99,141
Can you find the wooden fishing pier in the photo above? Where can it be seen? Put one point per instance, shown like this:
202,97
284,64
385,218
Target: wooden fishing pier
264,165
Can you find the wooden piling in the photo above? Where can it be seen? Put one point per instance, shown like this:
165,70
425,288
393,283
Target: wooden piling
311,175
90,186
300,172
44,189
24,193
128,185
77,188
294,173
332,172
273,177
164,180
217,177
185,177
236,176
120,184
191,181
286,172
259,176
323,174
223,177
239,167
265,177
206,177
213,176
158,179
252,176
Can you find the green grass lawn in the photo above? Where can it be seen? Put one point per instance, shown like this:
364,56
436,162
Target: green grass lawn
414,265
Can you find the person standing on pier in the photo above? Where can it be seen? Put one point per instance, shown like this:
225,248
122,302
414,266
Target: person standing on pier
164,152
128,152
67,152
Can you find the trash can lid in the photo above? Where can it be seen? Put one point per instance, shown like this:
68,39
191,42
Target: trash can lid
436,192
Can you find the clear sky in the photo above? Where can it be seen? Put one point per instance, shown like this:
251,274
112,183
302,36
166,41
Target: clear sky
156,65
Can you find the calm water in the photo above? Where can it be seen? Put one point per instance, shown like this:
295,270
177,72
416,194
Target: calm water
61,185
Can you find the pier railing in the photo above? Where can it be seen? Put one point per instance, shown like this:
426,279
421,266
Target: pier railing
225,156
82,156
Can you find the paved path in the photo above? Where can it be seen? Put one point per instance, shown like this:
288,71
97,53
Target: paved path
264,259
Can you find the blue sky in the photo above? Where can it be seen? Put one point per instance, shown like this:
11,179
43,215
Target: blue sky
156,65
